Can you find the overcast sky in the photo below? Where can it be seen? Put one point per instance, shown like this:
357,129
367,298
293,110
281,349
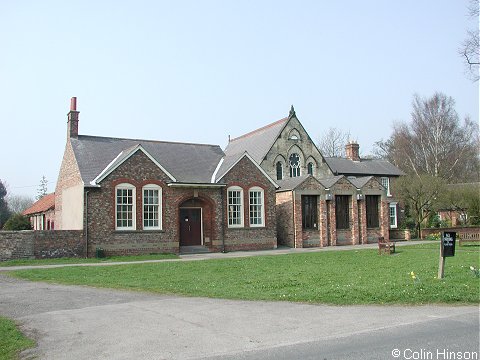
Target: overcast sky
198,71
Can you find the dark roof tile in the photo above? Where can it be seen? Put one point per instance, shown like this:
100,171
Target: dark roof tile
189,163
364,167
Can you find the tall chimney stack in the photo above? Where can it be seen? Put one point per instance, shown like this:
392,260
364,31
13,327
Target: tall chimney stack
352,150
72,124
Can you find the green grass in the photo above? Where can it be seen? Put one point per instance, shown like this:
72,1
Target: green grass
86,261
332,277
12,341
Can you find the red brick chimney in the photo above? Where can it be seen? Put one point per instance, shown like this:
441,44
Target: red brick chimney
72,124
352,150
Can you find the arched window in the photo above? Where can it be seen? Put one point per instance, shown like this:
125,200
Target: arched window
152,207
125,207
310,168
294,162
235,206
256,207
279,171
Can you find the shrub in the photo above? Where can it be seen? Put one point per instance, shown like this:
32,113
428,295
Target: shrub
17,222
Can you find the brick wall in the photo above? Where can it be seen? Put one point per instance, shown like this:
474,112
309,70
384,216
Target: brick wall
68,176
41,244
285,230
398,234
463,230
138,171
246,175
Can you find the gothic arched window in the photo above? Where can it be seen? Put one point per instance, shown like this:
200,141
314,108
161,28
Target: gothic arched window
310,168
279,171
294,162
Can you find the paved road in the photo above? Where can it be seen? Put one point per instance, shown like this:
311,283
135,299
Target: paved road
75,322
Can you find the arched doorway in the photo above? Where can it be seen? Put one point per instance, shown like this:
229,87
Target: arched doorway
194,217
191,233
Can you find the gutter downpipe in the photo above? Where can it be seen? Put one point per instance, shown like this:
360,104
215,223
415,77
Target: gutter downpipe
86,224
294,224
223,219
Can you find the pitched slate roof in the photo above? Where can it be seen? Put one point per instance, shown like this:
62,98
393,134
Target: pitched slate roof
291,183
258,142
329,182
364,167
228,163
44,204
361,181
189,163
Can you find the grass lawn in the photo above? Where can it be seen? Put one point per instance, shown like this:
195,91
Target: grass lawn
11,340
84,261
332,277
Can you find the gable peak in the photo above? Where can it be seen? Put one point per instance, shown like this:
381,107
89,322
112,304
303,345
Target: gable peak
292,112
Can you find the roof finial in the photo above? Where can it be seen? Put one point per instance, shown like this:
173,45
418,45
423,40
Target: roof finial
292,112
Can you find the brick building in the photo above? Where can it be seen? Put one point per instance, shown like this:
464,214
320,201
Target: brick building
42,213
321,201
269,186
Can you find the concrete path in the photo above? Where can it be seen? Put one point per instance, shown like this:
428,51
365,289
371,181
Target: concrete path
219,255
75,322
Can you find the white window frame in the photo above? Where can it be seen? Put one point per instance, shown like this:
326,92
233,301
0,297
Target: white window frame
260,205
230,207
386,184
392,206
126,186
159,205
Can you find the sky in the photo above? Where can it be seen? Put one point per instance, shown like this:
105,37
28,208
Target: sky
199,71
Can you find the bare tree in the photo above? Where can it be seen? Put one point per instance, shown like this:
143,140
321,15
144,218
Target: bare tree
470,49
19,203
332,142
435,142
421,194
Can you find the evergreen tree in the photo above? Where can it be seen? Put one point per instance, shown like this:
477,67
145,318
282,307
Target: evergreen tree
4,211
43,188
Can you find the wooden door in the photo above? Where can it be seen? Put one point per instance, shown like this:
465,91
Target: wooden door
190,227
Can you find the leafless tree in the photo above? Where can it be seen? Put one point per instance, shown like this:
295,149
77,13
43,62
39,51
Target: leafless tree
421,194
332,142
470,49
19,203
435,142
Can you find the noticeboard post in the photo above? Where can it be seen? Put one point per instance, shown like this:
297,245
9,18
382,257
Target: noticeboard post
447,249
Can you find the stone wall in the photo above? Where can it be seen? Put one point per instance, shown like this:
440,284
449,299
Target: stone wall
41,244
284,146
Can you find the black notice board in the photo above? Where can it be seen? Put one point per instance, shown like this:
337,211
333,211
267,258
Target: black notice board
448,243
